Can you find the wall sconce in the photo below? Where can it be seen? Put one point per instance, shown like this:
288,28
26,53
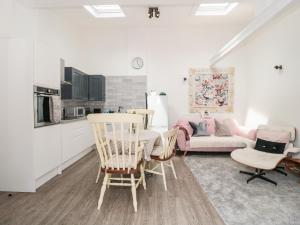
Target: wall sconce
278,67
153,11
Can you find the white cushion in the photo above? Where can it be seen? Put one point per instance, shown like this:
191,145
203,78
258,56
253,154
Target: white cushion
219,142
257,159
128,162
157,151
289,129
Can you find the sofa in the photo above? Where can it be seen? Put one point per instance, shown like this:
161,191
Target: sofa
240,137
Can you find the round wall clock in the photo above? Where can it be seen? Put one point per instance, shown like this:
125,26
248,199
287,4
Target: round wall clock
137,63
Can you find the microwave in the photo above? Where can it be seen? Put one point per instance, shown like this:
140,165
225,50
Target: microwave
71,112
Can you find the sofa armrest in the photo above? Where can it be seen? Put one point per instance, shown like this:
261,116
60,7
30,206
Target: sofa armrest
181,141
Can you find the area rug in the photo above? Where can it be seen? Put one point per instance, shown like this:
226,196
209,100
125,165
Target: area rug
239,203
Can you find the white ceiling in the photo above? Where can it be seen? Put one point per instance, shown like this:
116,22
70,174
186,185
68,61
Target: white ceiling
173,12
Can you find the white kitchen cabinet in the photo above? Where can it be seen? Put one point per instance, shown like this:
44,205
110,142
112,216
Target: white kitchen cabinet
47,66
47,149
76,137
57,147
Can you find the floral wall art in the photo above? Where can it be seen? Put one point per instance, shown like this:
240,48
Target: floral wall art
211,90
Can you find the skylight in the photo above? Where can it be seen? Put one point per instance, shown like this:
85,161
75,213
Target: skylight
105,11
215,9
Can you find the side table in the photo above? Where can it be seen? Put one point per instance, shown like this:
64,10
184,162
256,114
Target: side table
292,165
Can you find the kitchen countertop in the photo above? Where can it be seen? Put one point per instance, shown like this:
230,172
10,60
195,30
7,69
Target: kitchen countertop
73,120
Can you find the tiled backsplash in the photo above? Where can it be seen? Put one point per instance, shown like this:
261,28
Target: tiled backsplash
126,91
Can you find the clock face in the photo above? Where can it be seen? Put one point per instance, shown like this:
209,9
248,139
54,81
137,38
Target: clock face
137,63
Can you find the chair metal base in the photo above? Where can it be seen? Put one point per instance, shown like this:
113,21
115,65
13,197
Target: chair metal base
280,169
258,174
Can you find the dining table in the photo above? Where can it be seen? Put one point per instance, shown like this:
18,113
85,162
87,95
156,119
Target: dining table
150,139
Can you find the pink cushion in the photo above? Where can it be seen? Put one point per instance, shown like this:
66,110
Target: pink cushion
185,124
274,136
210,125
233,126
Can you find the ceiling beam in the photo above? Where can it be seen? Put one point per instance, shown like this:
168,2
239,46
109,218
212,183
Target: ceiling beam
259,21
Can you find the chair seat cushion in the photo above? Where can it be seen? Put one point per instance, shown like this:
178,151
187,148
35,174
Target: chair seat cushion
218,142
113,162
257,159
157,151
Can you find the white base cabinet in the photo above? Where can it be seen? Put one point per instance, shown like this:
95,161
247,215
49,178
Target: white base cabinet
47,149
57,147
76,137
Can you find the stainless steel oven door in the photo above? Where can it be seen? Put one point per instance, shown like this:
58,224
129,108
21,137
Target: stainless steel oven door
43,110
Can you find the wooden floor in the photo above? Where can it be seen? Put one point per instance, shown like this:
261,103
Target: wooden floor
71,199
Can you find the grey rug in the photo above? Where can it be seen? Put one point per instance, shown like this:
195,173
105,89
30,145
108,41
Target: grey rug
239,203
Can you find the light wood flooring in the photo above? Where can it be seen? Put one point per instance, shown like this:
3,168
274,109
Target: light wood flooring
71,199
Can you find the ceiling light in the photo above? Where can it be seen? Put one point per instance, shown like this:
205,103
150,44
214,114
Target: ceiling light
215,9
105,11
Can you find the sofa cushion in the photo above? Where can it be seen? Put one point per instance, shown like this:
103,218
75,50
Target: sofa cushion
210,124
222,129
200,129
218,142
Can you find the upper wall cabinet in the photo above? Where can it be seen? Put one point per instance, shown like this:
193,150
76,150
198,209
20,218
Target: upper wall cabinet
97,88
46,66
76,86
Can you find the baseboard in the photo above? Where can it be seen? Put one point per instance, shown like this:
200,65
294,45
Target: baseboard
58,170
69,162
46,177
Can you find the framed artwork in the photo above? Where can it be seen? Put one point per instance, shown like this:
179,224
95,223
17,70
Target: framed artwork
211,90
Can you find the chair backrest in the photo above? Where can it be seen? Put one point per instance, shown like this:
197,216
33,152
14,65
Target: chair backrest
147,116
288,129
169,142
117,139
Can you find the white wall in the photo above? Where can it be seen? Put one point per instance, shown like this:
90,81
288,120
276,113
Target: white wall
273,96
168,53
55,38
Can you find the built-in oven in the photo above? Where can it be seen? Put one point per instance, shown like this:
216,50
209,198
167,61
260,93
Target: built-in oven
47,106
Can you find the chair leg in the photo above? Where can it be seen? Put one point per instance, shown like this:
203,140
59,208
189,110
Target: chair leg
258,174
173,169
267,179
108,180
164,175
103,188
248,173
143,175
184,154
278,169
133,190
253,177
98,175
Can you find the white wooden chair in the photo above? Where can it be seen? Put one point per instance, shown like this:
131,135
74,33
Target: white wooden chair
147,116
162,155
120,152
